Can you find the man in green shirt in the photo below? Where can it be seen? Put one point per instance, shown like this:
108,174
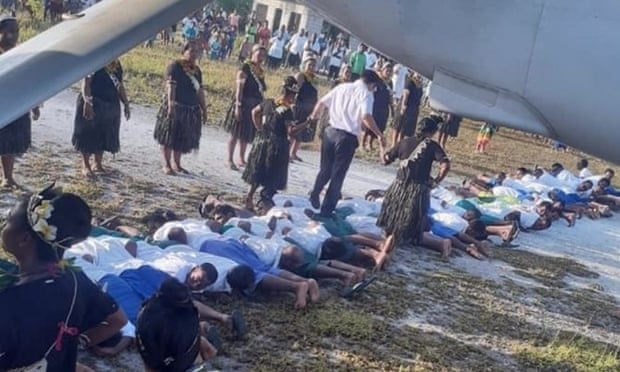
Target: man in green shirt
358,62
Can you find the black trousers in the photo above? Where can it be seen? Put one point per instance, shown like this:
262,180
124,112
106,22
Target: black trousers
337,151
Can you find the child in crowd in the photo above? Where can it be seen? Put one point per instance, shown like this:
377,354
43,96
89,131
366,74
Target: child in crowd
486,132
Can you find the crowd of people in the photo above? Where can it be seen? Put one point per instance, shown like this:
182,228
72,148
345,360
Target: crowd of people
132,287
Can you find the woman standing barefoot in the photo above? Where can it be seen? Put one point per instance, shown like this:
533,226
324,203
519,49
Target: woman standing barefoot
98,116
269,158
15,138
250,89
184,110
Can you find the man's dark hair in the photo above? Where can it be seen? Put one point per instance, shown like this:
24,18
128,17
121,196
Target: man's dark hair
370,77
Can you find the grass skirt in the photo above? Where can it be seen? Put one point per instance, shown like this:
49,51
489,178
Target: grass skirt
406,123
243,130
404,209
268,162
100,134
182,134
15,138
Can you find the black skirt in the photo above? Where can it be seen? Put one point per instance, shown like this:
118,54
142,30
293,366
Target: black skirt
100,134
404,209
268,162
244,129
181,134
406,123
302,113
15,138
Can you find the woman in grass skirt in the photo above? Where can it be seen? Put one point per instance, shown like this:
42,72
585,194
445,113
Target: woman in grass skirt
408,110
183,112
407,200
98,116
250,89
306,100
15,138
269,158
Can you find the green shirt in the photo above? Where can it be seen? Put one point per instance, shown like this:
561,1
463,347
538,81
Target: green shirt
358,62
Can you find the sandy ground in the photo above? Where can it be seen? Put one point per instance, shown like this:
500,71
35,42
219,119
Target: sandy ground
588,255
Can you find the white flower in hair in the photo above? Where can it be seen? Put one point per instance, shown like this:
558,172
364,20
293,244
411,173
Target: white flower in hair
48,232
43,210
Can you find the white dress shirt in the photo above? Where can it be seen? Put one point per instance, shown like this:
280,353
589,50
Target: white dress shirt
348,103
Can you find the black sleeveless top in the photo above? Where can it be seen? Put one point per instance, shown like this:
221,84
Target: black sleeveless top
252,88
308,95
185,93
102,86
277,119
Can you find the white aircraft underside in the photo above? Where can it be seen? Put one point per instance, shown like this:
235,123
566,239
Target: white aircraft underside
543,66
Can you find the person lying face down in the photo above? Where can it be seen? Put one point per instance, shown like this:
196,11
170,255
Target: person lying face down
265,277
117,254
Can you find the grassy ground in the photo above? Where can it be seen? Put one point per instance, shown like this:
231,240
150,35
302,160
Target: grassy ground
425,316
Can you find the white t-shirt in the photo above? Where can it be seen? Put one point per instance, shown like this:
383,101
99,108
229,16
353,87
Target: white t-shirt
196,258
398,80
104,250
296,201
568,179
446,195
371,59
169,260
505,191
276,50
348,103
268,250
585,173
196,231
451,220
258,226
364,224
310,238
93,272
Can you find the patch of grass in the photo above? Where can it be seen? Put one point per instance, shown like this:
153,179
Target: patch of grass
545,269
571,352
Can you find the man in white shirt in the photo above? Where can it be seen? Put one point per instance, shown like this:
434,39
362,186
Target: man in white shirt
371,59
398,81
350,107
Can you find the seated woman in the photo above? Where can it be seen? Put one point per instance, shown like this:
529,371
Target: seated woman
75,311
169,333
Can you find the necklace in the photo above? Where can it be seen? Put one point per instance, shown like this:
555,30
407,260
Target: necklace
282,102
258,74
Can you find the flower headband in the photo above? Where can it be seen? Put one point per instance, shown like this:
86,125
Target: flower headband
39,213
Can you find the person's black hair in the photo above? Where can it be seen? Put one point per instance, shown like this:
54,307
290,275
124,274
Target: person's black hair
71,217
167,329
604,182
553,195
374,194
188,45
370,77
333,248
583,163
589,182
241,278
177,234
524,170
547,204
225,210
557,166
426,126
610,171
477,230
5,19
290,86
501,174
210,272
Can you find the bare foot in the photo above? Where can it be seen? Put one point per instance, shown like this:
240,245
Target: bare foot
87,172
360,274
99,168
168,171
473,251
302,295
232,166
242,163
446,249
388,244
349,280
313,290
180,169
485,249
380,259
